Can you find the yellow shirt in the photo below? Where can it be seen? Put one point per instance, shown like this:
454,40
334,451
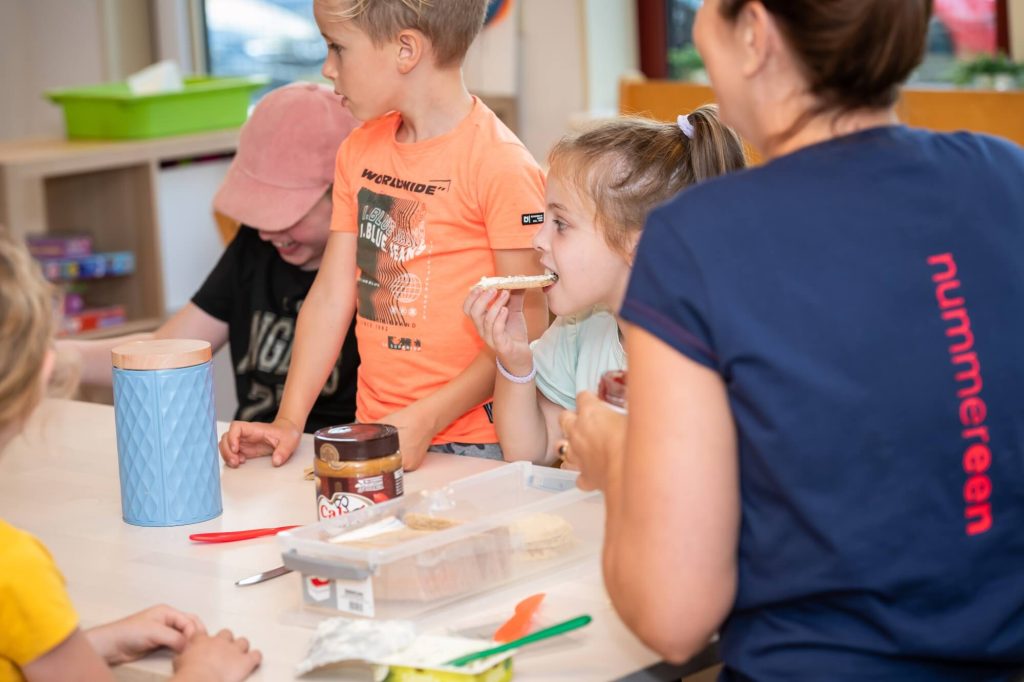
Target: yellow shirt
35,612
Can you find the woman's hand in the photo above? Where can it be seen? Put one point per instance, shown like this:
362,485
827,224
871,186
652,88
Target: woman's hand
595,441
498,317
133,637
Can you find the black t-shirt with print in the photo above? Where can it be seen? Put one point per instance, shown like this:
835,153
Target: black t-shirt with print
259,296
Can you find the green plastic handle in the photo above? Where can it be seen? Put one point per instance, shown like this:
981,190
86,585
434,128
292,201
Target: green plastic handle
546,633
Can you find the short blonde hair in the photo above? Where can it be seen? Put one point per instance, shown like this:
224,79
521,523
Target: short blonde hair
626,167
450,25
28,305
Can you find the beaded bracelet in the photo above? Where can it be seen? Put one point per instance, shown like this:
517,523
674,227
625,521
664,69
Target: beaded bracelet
512,377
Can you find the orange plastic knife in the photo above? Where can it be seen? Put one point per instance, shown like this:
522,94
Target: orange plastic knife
519,624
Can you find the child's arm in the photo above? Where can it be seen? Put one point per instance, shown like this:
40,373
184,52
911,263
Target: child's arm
321,328
422,420
73,660
191,322
86,655
133,637
203,659
526,421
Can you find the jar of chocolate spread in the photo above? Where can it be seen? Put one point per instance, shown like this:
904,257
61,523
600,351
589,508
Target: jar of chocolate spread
612,389
355,465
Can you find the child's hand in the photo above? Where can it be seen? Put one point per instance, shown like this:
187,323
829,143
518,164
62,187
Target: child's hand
222,659
414,434
500,322
245,440
133,637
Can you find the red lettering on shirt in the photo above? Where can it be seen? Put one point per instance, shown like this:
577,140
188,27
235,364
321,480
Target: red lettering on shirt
977,458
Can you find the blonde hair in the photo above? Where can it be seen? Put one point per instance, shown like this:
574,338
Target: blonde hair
626,167
450,25
28,305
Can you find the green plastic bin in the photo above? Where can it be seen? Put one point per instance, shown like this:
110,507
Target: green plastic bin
111,112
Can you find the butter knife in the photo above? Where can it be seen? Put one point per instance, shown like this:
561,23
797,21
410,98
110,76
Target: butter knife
265,575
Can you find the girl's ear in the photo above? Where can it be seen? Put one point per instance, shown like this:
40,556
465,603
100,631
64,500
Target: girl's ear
632,242
411,46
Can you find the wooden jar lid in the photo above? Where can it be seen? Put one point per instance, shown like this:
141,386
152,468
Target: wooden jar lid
161,354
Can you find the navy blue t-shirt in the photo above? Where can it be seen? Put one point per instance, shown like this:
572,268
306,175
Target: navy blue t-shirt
863,301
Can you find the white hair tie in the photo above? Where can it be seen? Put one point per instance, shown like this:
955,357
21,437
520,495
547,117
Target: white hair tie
684,124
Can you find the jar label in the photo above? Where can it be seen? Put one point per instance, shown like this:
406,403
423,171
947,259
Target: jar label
340,504
341,495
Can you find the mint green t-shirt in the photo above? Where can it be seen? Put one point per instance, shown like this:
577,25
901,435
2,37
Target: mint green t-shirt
574,352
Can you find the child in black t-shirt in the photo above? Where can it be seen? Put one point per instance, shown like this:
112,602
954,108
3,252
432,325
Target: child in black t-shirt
278,189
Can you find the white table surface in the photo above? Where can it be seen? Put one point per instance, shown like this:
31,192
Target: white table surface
59,481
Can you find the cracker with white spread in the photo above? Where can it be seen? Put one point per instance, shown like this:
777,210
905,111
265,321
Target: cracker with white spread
517,281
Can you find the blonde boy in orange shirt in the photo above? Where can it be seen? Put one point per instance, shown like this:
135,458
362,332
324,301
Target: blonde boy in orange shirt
432,193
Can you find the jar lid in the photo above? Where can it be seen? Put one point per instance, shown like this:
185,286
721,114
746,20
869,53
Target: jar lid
355,442
161,354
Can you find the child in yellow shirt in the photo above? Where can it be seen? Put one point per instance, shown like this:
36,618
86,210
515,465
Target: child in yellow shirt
39,635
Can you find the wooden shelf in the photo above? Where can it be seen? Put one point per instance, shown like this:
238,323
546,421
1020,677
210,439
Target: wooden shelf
133,327
106,189
983,111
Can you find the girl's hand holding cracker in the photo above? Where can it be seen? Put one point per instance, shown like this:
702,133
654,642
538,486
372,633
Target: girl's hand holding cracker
245,440
498,317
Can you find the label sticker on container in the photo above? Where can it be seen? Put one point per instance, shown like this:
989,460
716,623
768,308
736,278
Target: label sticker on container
318,589
340,504
355,596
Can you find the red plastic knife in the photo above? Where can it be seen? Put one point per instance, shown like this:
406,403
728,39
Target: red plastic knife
233,535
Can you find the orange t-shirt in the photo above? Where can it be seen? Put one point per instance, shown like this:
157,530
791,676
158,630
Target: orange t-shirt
429,216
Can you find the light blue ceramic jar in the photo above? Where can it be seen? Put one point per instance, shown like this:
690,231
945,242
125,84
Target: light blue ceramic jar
166,433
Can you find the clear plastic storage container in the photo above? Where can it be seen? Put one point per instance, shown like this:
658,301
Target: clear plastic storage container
416,553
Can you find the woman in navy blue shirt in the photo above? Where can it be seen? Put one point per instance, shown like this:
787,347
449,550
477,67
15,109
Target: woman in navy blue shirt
824,452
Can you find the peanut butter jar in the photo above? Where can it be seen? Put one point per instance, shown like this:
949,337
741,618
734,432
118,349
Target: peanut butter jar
355,465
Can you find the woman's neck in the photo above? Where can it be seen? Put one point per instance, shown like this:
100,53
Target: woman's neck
824,127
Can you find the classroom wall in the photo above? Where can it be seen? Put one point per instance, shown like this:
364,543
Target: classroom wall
611,49
552,81
50,44
560,59
572,56
45,44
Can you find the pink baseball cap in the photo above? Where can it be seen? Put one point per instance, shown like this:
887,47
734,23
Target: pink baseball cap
285,158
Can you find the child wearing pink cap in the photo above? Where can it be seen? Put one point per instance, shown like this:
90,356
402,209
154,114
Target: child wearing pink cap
278,189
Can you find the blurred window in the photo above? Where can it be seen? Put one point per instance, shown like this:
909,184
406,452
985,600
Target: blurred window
275,38
959,30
